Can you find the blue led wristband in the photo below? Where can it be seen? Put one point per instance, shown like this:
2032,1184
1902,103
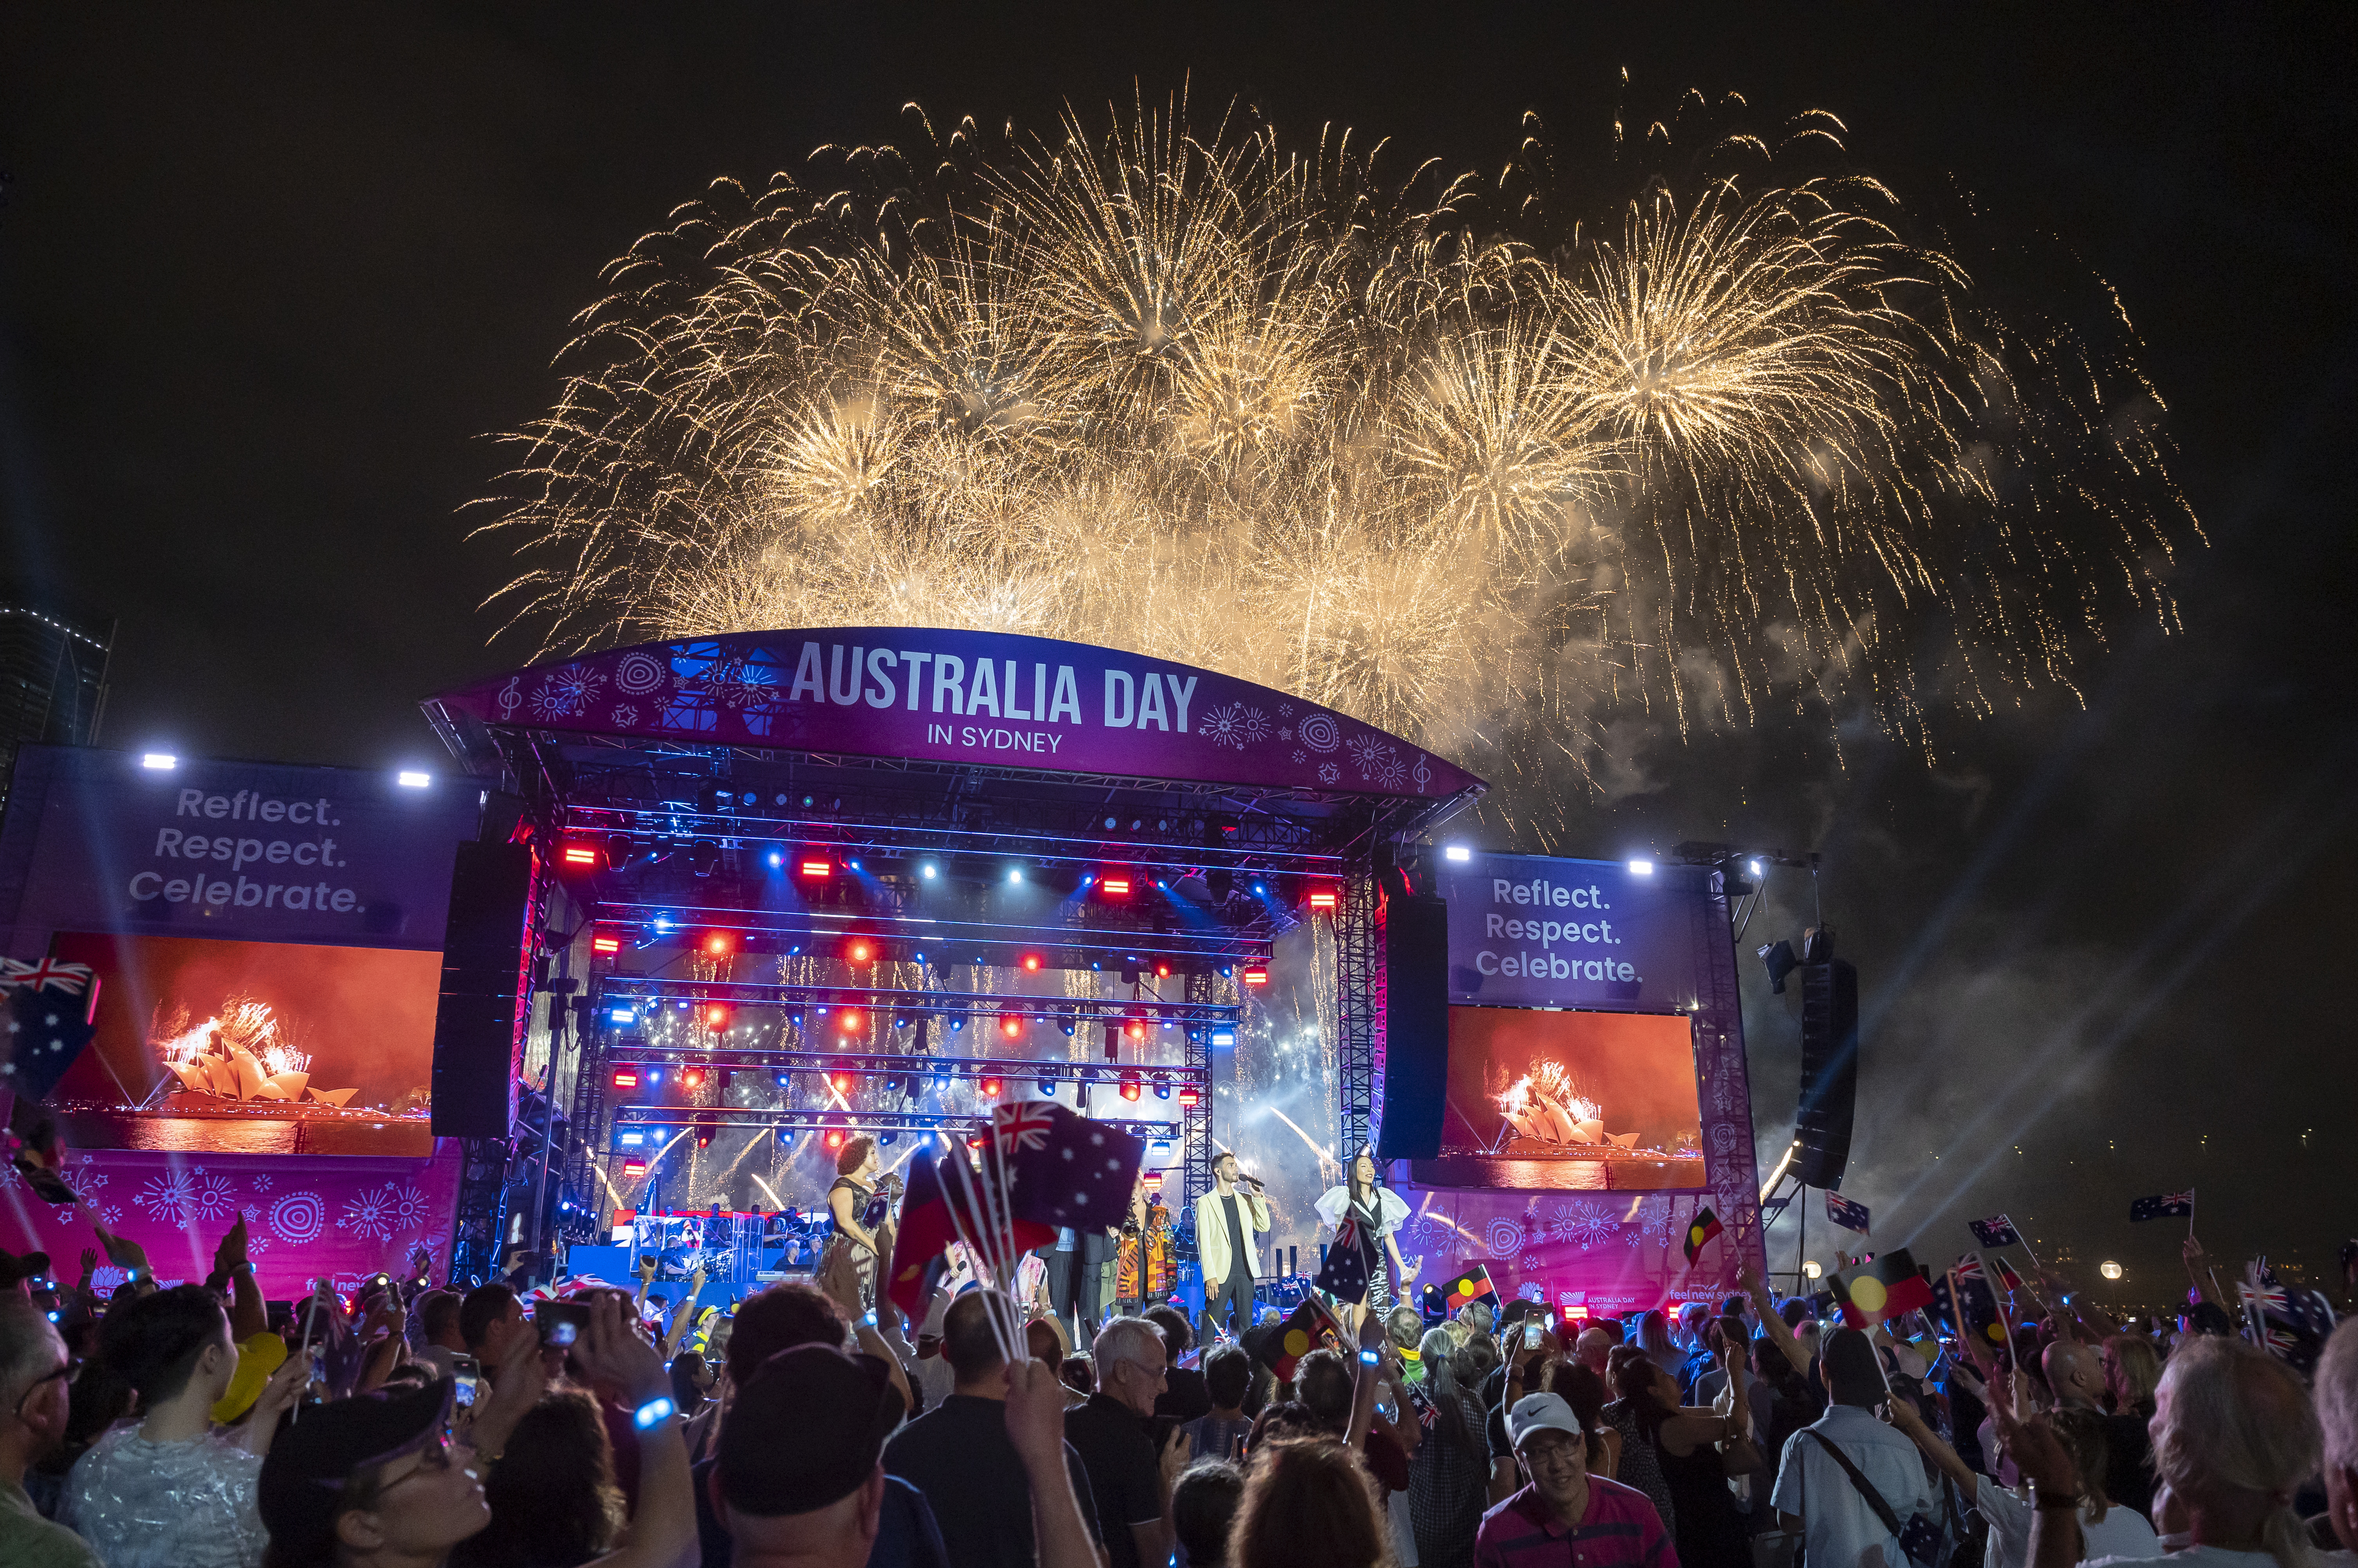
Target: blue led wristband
654,1412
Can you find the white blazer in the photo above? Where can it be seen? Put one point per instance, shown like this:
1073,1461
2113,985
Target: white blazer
1212,1233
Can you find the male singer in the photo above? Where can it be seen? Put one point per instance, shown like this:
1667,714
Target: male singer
1229,1223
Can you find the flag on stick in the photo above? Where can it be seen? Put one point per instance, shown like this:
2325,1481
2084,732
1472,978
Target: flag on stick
2166,1206
1278,1346
1848,1214
1995,1231
1881,1288
1470,1286
1699,1234
1343,1275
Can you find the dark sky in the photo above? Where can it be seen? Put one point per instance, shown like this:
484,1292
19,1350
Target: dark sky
269,278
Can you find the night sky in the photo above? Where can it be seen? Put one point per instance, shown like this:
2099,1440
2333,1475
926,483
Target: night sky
269,280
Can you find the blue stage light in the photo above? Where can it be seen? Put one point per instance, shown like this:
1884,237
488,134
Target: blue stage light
776,859
1223,1036
623,1015
928,870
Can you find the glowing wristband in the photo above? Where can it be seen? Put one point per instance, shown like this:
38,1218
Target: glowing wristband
1368,1357
654,1412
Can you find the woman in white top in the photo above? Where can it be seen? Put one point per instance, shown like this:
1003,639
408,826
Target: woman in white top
2106,1529
1378,1213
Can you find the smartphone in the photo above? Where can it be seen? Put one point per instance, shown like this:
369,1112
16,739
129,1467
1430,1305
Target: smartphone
560,1322
1532,1332
464,1372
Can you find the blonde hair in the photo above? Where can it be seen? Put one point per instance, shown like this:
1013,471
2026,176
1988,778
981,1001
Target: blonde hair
2235,1419
2140,1370
2337,1395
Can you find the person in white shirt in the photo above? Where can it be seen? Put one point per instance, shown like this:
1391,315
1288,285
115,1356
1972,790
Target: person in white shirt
2234,1438
1815,1495
2107,1529
1378,1213
1230,1222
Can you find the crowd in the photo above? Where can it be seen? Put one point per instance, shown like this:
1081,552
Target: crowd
405,1425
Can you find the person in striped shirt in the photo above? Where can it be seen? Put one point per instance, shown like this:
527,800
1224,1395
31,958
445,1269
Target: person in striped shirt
1567,1517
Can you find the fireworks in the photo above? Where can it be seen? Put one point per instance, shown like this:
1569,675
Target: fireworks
1543,1104
1429,453
244,1052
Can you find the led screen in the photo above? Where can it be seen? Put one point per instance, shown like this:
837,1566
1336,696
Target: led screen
253,1047
1598,1100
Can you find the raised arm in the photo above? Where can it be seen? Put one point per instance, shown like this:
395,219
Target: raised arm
1771,1323
1909,1420
2197,1270
840,1280
663,1529
247,1315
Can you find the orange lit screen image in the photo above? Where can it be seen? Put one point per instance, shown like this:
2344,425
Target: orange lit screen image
1528,1085
253,1047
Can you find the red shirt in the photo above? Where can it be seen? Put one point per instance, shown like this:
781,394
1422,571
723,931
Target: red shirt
1620,1529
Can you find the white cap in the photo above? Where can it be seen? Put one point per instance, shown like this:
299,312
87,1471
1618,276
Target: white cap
1538,1412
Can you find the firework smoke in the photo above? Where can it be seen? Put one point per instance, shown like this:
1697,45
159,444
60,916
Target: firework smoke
1448,455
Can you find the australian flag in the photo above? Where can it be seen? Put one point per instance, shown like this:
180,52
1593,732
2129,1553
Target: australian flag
1995,1231
1848,1214
2297,1321
51,1006
1069,1171
1343,1275
2165,1206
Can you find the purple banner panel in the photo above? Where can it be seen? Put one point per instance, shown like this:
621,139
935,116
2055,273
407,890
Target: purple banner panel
307,1216
103,841
1530,931
962,697
1589,1254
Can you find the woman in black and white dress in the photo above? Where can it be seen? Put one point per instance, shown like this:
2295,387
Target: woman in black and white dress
1378,1213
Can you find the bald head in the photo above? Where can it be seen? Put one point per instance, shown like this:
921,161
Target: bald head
1595,1349
2076,1373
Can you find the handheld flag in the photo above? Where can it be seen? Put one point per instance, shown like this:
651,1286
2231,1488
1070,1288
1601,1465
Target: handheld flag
931,1216
49,1022
1343,1275
1976,1302
1848,1214
1995,1231
1881,1288
1699,1234
2167,1206
1470,1286
2007,1277
1944,1305
1278,1346
1068,1171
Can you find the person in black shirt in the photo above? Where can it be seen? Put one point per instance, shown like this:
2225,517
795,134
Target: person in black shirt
1184,1399
960,1455
1129,1481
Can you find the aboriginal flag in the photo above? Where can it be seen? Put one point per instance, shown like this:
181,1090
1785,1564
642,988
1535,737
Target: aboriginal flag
1881,1288
1471,1285
2167,1206
1278,1346
1699,1234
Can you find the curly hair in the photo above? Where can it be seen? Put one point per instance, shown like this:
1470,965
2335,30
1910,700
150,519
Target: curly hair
553,1499
1308,1503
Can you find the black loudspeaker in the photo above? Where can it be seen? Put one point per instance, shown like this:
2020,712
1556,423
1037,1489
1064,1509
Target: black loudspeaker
1416,1027
482,970
1829,1072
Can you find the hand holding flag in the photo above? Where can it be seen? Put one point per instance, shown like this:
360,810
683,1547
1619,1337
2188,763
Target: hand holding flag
2164,1206
1882,1288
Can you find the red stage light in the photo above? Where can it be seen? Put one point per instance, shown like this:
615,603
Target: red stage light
716,945
703,1136
581,854
1162,971
991,1089
1011,1026
835,1139
1136,1028
605,944
860,950
1323,898
691,1077
1114,886
1188,1096
850,1020
1153,1181
626,1077
1255,977
1129,1085
817,869
975,1141
1031,963
633,1168
843,1080
716,1015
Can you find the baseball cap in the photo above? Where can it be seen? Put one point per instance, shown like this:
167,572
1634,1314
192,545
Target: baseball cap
1538,1412
302,1487
806,1431
16,1267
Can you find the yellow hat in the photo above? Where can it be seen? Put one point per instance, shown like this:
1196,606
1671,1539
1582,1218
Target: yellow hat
257,1358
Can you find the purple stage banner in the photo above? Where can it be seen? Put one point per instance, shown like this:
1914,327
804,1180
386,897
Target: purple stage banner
1530,931
961,696
97,841
343,1217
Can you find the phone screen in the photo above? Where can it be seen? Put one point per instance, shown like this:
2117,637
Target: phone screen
463,1374
1532,1332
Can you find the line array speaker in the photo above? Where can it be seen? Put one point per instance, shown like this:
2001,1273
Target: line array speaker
476,1021
1416,1027
1829,1072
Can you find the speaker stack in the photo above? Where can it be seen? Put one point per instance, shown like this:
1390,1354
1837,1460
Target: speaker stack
1415,935
1829,1071
482,976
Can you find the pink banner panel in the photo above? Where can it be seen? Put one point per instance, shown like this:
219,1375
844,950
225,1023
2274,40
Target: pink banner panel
1598,1254
306,1216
